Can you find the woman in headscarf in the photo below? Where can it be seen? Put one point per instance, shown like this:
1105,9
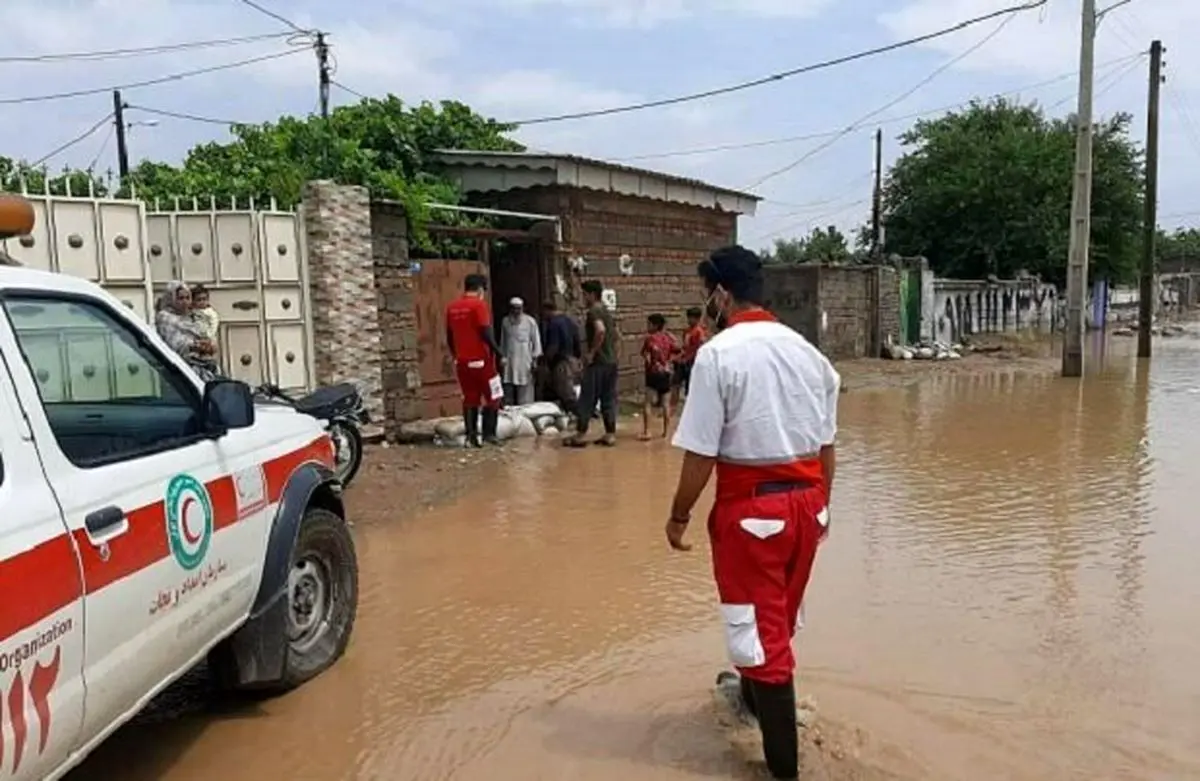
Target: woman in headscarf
183,333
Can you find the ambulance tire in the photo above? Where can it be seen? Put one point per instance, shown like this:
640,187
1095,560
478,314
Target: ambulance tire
324,580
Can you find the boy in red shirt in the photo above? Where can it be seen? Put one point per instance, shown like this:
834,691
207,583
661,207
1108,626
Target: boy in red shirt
658,349
693,338
477,359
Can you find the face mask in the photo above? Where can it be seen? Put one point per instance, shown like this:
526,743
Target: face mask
713,311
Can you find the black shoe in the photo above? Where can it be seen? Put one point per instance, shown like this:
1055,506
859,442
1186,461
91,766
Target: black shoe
491,421
774,704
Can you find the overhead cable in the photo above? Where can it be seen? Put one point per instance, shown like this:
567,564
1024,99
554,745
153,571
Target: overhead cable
149,82
74,141
869,116
277,17
787,74
817,135
138,51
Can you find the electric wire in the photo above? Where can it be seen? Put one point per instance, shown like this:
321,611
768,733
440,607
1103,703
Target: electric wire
103,146
876,112
139,51
73,142
787,74
277,17
817,135
181,115
149,82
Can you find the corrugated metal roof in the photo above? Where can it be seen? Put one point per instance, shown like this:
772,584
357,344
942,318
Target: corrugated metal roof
538,160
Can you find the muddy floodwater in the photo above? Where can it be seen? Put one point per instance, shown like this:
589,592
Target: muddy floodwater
1011,590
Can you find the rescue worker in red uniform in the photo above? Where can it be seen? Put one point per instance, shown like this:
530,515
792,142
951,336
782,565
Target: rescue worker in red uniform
477,357
761,412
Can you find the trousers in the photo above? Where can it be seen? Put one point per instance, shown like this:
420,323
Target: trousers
479,383
763,549
599,383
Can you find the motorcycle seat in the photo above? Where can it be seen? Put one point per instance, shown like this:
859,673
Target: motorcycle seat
323,400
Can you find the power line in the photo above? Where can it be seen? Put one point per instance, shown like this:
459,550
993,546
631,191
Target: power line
268,12
780,76
189,117
140,51
343,87
817,135
895,101
807,222
76,140
148,82
103,146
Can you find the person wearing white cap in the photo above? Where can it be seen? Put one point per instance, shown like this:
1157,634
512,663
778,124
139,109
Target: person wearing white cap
521,340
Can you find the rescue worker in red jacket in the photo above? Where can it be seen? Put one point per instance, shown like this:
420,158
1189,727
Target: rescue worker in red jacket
477,358
761,412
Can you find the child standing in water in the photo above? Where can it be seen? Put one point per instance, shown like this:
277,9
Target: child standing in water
658,350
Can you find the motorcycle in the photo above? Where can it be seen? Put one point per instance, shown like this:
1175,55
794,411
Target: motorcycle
342,410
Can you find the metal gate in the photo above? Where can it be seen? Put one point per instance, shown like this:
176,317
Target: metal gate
251,260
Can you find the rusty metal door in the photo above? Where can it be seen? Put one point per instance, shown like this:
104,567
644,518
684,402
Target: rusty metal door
436,283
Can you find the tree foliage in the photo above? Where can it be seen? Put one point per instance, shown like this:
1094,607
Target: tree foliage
823,245
988,191
1177,247
384,145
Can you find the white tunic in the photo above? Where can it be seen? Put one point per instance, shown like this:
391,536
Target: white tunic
521,341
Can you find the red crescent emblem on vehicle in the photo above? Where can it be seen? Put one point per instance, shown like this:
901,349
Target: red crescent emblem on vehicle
191,539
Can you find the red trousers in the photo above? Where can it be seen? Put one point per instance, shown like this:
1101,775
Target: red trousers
479,383
763,549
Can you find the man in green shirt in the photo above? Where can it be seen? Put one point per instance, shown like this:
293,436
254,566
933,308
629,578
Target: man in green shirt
600,370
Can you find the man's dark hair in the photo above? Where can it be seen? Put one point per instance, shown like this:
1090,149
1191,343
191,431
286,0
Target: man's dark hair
549,307
592,287
695,313
475,282
657,320
737,270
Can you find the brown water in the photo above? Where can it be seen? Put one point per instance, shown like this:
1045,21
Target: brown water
1010,592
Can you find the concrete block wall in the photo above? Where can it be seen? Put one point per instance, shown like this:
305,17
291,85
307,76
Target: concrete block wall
846,311
346,337
396,303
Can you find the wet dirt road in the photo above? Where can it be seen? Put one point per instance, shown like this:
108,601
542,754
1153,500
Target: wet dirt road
1009,592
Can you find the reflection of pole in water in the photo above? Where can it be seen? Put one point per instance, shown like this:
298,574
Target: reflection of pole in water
1133,525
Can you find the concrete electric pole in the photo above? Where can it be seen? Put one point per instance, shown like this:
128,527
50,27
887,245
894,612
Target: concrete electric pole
122,143
1146,291
1081,204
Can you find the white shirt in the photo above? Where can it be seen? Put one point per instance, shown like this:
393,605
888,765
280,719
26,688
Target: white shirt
760,393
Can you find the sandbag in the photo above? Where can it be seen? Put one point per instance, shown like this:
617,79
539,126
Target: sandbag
524,427
539,409
449,428
544,422
550,431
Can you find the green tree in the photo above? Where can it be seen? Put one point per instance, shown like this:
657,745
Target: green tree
1177,247
384,145
823,245
988,191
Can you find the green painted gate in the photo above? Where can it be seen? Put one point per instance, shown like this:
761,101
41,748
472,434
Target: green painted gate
910,306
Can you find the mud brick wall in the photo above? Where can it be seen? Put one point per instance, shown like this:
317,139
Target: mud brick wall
664,240
400,358
346,339
846,311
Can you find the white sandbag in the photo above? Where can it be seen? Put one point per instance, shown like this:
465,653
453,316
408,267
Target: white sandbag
564,422
550,431
539,409
545,422
449,428
524,428
506,427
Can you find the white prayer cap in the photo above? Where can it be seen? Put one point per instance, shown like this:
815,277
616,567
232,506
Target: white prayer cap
515,301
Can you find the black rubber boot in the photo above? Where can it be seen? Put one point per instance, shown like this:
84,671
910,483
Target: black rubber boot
491,421
471,421
774,705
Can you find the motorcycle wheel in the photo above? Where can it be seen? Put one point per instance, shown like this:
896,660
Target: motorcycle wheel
348,451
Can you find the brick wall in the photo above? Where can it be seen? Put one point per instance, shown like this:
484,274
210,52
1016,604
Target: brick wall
346,338
400,356
846,311
665,241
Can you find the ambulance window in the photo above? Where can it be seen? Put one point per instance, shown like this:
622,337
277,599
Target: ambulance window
109,395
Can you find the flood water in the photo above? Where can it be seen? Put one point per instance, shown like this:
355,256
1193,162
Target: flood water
1010,591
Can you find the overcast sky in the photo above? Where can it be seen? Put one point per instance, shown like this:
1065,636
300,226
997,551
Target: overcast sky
518,59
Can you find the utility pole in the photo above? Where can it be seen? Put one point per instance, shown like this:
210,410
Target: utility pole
1081,202
1146,292
877,200
323,74
122,145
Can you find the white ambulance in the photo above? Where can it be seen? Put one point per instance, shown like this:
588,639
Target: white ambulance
147,521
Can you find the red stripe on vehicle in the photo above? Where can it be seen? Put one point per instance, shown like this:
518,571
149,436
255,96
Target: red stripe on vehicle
45,579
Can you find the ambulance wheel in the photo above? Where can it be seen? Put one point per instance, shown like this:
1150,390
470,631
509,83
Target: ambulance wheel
322,596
